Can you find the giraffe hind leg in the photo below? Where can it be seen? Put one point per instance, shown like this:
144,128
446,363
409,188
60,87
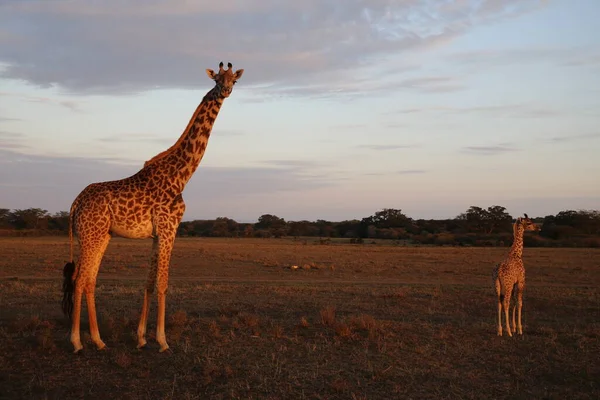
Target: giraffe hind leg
500,297
514,308
89,263
506,306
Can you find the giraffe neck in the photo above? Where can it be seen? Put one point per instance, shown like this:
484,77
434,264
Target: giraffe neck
517,246
182,159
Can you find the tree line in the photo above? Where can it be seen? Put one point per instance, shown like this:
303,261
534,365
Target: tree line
477,226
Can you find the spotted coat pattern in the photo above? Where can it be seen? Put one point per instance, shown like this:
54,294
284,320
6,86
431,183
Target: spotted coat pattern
147,204
509,277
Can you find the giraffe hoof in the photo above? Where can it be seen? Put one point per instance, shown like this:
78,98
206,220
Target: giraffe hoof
163,348
101,345
141,345
78,350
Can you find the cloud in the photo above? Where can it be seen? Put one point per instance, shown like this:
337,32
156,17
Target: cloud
292,163
70,104
432,84
11,140
567,57
411,171
52,182
488,150
503,111
387,147
571,138
348,127
128,47
359,83
135,137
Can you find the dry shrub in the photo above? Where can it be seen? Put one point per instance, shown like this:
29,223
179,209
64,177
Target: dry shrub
328,315
212,373
339,385
398,293
45,340
363,322
303,323
342,330
178,318
122,359
444,332
277,331
213,330
249,320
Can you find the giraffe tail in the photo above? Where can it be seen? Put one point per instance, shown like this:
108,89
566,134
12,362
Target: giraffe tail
68,286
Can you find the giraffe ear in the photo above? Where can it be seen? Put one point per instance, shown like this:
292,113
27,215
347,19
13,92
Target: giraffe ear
238,74
211,74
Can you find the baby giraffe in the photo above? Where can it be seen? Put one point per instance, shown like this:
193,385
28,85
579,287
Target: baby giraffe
509,275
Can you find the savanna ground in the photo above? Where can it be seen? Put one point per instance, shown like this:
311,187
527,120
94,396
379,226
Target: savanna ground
352,322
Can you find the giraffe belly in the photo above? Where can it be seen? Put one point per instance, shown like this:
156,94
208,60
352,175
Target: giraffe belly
141,230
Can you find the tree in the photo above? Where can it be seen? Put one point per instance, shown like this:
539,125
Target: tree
224,227
275,225
59,221
390,218
486,221
498,219
4,218
31,218
248,231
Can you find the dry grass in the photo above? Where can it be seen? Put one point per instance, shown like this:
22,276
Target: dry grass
386,322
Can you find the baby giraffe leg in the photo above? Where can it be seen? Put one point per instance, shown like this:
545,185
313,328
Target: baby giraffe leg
514,309
499,295
506,305
520,304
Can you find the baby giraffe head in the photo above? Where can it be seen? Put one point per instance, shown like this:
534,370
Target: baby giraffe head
527,224
225,79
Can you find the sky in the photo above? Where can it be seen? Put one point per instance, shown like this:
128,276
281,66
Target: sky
344,108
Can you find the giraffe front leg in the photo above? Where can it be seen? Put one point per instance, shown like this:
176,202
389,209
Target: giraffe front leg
499,295
162,282
514,323
167,224
499,317
141,333
506,305
520,305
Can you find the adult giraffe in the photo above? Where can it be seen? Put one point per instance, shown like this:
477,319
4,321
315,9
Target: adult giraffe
147,204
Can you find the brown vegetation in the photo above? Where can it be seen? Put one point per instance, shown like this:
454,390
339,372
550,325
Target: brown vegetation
386,322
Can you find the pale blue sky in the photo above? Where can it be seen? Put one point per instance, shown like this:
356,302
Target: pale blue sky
345,108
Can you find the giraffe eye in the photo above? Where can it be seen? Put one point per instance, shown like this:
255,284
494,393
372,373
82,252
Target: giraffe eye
234,82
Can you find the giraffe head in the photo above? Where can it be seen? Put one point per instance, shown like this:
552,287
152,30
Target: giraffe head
225,79
527,224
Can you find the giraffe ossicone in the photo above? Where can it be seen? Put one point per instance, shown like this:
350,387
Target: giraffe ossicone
509,277
146,204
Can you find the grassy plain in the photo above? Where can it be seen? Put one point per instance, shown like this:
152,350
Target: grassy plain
352,322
